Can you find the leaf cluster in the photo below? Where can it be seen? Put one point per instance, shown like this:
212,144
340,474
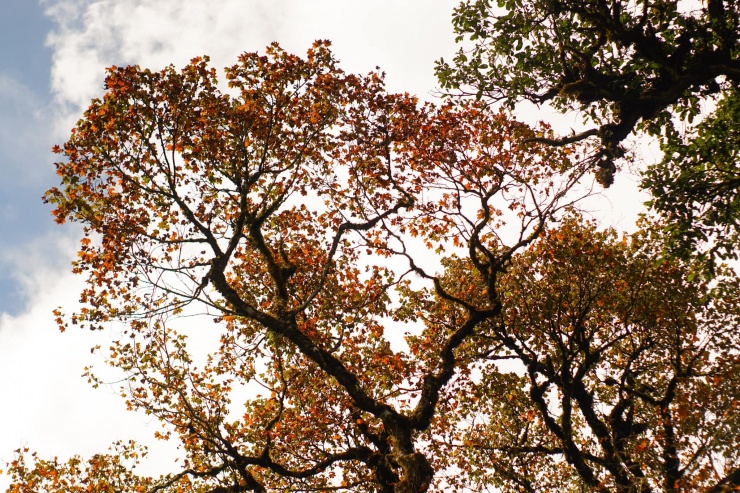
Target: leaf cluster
607,370
622,64
696,187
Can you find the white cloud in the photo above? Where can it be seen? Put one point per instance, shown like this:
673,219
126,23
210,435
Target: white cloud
47,405
403,38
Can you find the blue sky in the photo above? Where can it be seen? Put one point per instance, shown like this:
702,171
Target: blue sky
24,138
52,59
23,29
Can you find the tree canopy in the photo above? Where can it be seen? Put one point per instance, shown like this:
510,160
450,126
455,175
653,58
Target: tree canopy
607,370
696,186
622,64
400,297
288,209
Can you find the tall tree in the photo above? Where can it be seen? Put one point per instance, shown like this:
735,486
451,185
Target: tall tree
622,64
289,208
311,216
607,370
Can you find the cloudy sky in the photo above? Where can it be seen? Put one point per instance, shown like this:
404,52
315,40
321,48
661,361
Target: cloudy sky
52,59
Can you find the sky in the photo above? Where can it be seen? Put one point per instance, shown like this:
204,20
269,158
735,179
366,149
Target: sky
52,59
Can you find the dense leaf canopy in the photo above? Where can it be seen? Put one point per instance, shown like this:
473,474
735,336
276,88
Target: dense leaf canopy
620,63
606,371
696,187
390,296
288,208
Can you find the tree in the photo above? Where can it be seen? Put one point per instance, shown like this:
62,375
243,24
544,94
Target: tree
696,186
298,209
606,370
623,65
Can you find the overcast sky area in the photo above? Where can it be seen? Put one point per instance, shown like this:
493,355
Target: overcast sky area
52,59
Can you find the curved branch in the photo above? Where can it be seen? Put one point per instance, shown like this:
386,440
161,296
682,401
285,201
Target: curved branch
347,226
728,484
563,141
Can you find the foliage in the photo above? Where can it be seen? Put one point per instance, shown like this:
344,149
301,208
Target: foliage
697,186
620,63
390,311
103,473
289,208
607,370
